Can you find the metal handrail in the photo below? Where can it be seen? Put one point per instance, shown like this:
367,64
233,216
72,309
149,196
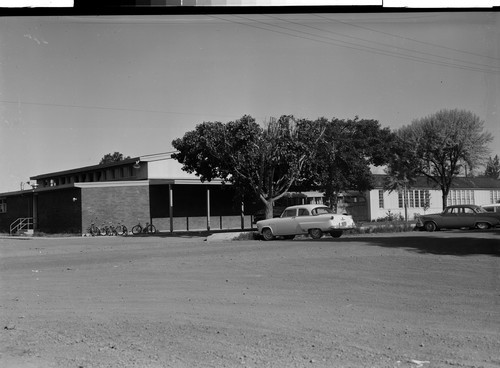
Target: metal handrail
20,224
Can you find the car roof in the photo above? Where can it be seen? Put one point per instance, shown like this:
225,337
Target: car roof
308,206
463,205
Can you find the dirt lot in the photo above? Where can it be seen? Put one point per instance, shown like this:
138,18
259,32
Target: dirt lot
397,300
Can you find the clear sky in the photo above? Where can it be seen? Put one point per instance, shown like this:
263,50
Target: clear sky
77,87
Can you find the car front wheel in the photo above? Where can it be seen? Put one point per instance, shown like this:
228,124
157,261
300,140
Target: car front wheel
316,233
267,234
430,226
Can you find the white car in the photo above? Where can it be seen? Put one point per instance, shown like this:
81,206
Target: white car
495,207
312,219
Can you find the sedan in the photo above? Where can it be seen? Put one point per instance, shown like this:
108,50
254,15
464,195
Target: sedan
457,217
308,219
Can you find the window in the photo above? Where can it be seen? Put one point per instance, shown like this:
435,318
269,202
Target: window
3,205
414,198
321,211
460,196
380,199
303,212
289,213
494,196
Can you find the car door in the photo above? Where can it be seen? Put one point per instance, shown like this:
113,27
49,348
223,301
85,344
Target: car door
287,223
467,217
449,218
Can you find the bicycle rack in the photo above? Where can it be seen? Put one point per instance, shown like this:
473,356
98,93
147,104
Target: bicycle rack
22,223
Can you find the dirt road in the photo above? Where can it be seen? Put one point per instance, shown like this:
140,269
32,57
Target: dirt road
397,300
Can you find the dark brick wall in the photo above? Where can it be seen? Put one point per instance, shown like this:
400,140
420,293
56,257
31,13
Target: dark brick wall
191,201
58,212
122,204
17,206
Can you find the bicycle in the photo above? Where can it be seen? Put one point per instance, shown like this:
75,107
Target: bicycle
105,230
112,230
120,230
93,230
148,229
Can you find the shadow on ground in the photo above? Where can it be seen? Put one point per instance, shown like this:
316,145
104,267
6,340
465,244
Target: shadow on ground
459,242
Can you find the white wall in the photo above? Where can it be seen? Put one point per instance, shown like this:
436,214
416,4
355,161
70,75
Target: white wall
391,203
481,197
167,169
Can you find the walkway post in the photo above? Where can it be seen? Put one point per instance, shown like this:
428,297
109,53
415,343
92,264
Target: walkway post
242,215
171,207
208,209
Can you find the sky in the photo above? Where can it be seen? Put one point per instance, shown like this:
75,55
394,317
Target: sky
74,88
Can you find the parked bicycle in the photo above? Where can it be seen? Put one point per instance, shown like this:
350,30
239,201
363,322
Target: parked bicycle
120,230
148,229
105,230
112,230
93,230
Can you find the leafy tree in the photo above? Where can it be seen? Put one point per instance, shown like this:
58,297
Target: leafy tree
440,145
266,161
492,168
344,155
401,171
112,157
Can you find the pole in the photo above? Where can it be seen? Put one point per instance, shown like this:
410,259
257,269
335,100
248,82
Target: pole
208,209
242,215
171,207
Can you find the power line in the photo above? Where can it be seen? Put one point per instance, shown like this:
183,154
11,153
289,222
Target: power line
113,108
407,38
350,45
388,45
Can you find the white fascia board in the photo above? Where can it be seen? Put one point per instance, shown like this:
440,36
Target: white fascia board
157,157
199,182
108,184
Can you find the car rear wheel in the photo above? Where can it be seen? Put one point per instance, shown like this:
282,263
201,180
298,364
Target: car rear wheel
430,226
267,234
316,233
483,225
336,234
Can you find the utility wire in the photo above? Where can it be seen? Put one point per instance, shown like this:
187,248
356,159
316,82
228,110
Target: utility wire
350,45
406,38
115,108
388,45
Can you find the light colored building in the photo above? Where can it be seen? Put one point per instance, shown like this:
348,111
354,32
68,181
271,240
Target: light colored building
421,198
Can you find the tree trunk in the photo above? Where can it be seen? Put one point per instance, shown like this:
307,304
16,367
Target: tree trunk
269,209
444,197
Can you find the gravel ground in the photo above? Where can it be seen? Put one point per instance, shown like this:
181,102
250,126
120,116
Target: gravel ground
385,300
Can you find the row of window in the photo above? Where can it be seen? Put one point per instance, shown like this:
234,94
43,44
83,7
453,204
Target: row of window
414,199
421,198
494,196
462,196
104,175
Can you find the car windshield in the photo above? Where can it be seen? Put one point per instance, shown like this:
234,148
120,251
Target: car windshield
480,210
321,211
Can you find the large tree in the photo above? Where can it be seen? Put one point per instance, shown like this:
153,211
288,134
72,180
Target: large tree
442,145
112,157
264,160
344,155
401,170
493,168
